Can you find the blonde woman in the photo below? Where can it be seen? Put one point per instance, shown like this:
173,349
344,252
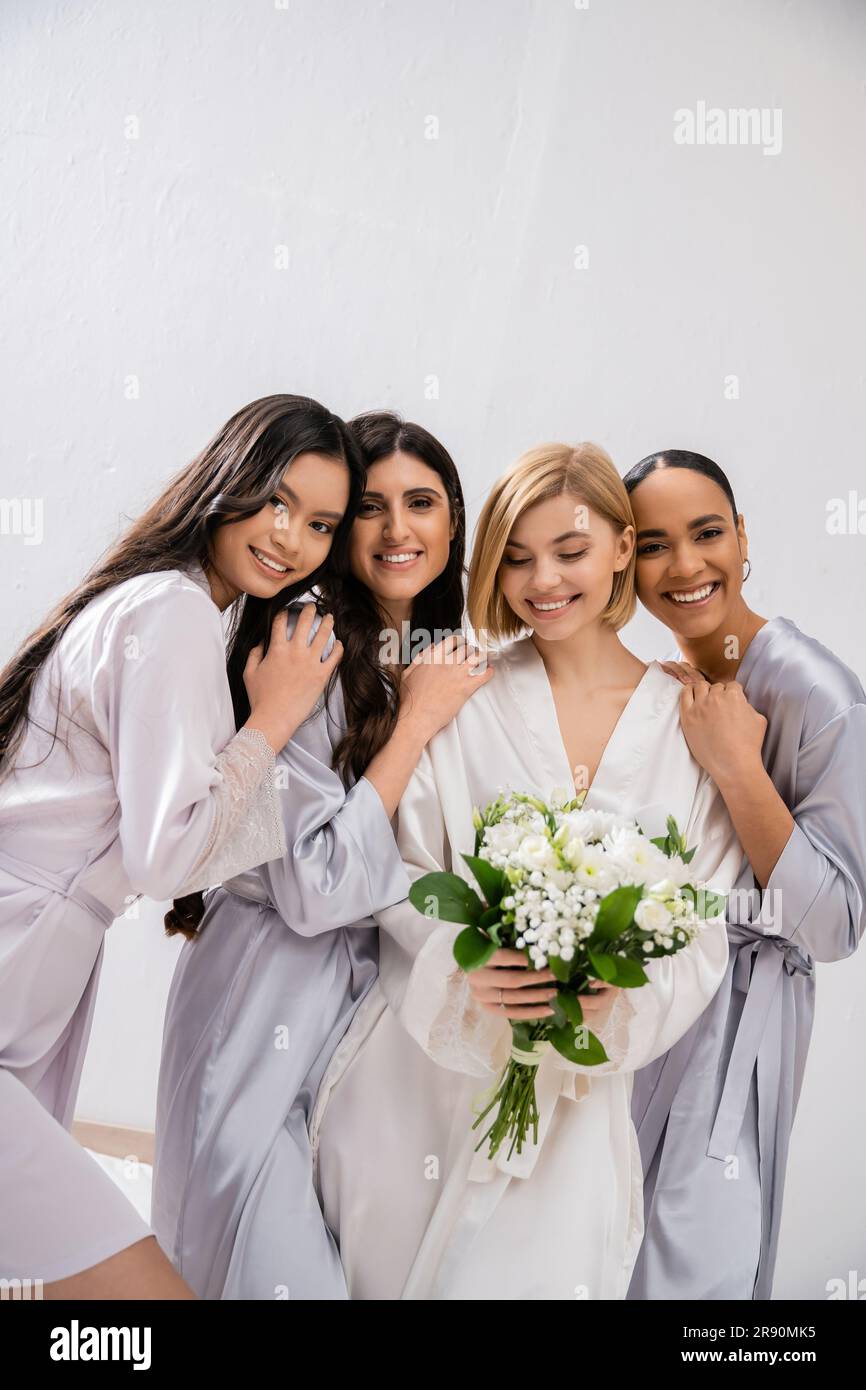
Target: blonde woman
417,1212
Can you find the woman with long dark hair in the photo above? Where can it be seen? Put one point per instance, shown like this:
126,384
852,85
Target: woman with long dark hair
284,956
123,771
779,723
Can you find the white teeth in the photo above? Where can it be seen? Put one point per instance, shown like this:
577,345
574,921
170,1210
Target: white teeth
271,564
695,595
400,559
546,607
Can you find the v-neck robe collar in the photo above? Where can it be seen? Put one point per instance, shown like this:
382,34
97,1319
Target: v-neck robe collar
625,752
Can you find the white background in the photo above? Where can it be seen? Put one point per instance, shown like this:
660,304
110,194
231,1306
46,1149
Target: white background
155,156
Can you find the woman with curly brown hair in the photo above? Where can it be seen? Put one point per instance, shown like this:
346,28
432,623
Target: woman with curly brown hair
285,955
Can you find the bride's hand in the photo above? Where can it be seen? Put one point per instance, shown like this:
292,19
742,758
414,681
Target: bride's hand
595,1006
508,985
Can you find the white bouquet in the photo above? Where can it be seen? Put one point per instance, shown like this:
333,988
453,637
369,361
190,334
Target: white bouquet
584,893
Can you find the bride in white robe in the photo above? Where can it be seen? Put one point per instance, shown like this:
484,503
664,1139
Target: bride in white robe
417,1213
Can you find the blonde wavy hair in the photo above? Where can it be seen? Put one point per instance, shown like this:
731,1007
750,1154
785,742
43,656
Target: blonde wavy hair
549,470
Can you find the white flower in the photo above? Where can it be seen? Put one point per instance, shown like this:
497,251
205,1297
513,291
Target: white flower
572,851
592,825
636,857
595,870
559,881
664,889
651,915
677,870
536,852
501,840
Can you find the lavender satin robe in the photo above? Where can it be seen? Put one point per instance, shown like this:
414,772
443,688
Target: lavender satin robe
257,1007
714,1115
146,789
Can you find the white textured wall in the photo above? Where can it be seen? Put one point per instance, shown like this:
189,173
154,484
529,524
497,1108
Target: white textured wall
154,156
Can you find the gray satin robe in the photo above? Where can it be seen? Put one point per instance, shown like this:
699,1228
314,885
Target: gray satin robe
257,1006
714,1115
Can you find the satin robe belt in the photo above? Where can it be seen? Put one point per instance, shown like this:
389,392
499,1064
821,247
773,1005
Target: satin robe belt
772,955
53,883
551,1082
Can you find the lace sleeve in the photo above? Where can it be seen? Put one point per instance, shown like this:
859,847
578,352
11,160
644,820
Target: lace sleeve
247,827
614,1031
435,1004
463,1036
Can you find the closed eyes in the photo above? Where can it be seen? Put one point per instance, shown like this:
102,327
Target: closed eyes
572,555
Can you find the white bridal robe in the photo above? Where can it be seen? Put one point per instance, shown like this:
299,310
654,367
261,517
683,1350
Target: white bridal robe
714,1116
148,789
258,1003
417,1213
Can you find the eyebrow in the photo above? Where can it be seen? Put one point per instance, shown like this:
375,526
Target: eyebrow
566,536
293,497
410,492
698,521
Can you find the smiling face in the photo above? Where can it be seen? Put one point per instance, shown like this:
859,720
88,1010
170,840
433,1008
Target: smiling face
557,570
402,534
690,552
288,538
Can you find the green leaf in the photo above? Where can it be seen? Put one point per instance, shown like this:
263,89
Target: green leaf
561,968
616,913
451,895
602,964
661,842
521,1035
571,1008
560,1017
489,918
473,949
491,881
563,1040
629,973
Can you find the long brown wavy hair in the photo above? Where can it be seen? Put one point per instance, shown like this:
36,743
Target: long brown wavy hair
234,476
370,691
371,694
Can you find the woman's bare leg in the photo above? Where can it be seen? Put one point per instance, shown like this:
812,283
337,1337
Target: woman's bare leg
139,1271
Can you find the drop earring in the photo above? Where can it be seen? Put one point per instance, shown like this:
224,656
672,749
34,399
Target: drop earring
748,571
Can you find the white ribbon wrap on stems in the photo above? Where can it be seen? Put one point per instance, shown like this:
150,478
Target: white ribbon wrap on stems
532,1056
